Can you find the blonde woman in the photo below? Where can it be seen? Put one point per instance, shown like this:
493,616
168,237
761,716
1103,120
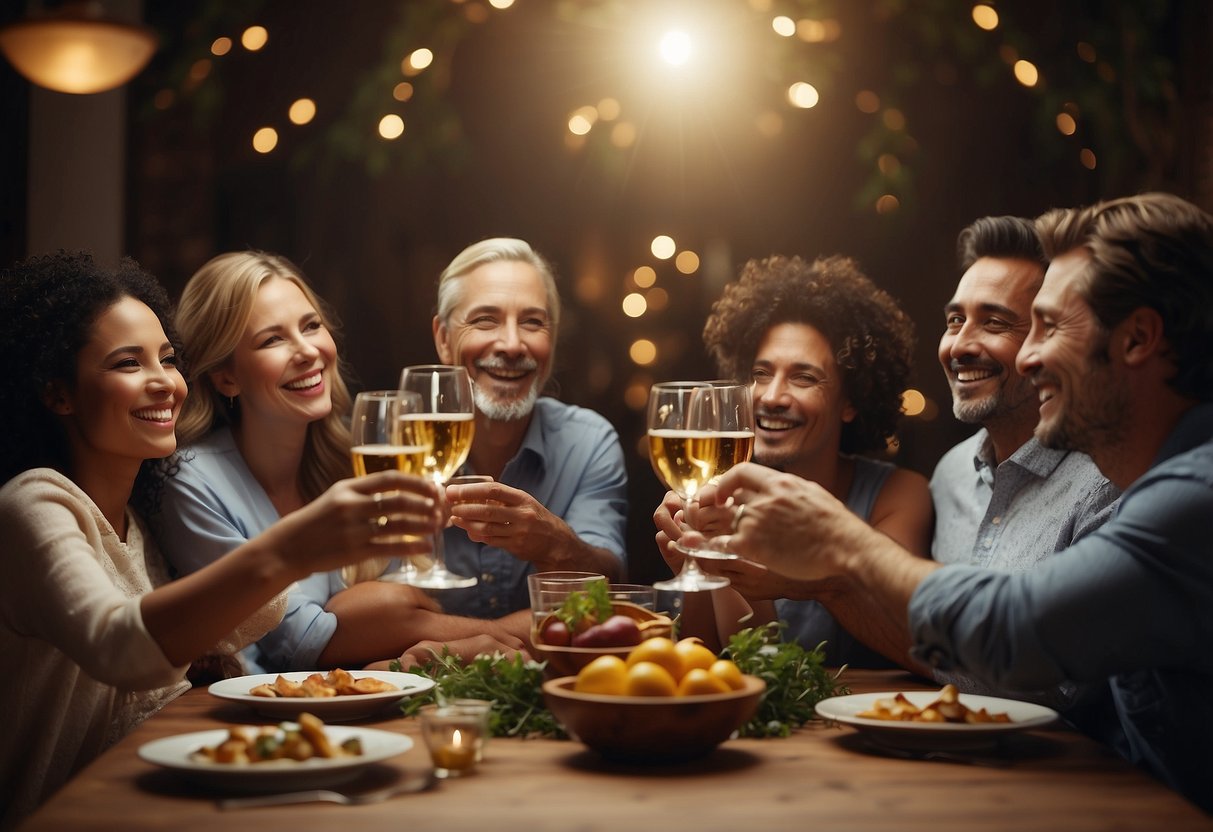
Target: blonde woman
264,431
93,636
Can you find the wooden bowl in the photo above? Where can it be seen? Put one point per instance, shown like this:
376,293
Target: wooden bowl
652,729
567,661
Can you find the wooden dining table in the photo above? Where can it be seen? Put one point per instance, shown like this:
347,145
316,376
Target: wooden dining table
822,777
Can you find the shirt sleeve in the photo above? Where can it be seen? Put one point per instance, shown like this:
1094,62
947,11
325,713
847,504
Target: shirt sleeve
195,527
1136,593
57,589
598,510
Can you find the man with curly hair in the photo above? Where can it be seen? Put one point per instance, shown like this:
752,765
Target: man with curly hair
829,356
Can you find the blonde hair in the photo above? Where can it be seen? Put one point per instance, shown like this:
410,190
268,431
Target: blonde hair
496,249
214,310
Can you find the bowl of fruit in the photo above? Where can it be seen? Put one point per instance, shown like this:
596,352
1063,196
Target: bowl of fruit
590,624
664,702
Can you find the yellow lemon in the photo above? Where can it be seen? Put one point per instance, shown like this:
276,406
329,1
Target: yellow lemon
700,681
606,674
692,654
649,679
659,651
727,672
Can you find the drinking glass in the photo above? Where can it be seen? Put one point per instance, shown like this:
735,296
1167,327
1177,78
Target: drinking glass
445,424
376,444
697,431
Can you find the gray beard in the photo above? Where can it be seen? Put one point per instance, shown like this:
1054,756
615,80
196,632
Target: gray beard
975,412
510,411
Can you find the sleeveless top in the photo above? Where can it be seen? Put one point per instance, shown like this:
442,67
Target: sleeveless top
808,622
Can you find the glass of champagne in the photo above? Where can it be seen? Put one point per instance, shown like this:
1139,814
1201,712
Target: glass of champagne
444,423
376,445
697,431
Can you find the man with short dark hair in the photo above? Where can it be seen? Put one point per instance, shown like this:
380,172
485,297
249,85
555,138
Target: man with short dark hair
1121,355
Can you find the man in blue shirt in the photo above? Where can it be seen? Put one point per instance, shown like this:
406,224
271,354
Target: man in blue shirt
1121,354
559,499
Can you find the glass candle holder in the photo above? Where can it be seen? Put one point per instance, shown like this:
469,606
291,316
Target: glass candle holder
454,736
481,708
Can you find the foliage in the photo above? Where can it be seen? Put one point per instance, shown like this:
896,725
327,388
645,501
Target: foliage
592,606
796,679
513,685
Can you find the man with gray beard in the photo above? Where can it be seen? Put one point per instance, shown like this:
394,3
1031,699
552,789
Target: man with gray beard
558,500
1001,499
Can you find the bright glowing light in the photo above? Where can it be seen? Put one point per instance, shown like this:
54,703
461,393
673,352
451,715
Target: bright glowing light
265,140
887,204
634,305
221,47
302,111
391,126
501,4
643,352
582,120
1087,157
675,47
417,60
985,17
784,26
1026,73
663,247
1066,124
254,37
913,402
687,262
644,277
402,91
803,95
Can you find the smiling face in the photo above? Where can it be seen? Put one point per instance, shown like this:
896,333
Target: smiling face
985,324
501,332
122,406
1082,398
282,366
799,402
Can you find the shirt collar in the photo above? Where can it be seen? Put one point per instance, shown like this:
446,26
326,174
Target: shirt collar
1031,456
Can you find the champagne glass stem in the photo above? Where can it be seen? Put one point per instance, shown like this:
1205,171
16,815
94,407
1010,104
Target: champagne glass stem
438,576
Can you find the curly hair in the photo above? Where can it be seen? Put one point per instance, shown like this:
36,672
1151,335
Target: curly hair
214,309
872,339
49,305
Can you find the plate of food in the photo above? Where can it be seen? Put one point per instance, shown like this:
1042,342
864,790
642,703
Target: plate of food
303,755
929,718
335,695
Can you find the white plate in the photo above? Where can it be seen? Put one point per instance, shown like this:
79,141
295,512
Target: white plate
1024,716
176,753
329,709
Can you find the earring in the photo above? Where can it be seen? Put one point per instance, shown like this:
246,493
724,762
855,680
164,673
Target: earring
231,402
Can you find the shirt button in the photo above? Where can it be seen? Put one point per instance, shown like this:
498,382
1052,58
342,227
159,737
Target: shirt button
493,603
988,542
487,577
996,520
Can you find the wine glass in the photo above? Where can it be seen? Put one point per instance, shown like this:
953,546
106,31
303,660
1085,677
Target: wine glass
445,423
376,444
697,431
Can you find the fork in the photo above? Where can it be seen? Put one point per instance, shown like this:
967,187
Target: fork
410,785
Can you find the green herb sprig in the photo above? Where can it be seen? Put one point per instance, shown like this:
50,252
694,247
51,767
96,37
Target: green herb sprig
514,686
586,607
796,679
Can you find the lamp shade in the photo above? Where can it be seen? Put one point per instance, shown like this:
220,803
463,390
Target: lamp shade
77,54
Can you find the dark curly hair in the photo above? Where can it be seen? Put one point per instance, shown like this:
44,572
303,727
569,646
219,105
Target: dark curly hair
872,339
49,305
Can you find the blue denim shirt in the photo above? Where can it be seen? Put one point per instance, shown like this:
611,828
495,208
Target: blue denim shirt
572,463
1130,605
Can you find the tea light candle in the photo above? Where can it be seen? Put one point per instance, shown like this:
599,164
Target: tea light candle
454,736
455,755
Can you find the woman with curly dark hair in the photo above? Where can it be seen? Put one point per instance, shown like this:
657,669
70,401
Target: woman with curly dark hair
829,355
92,634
